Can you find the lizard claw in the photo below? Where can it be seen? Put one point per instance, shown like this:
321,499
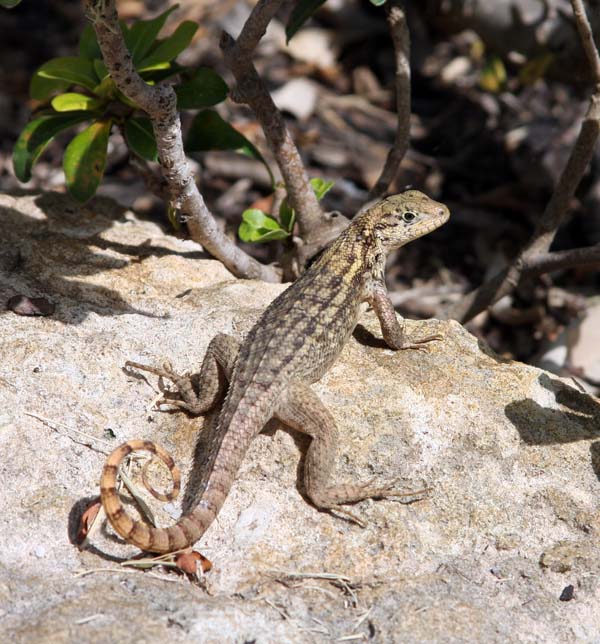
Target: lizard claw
350,516
397,494
189,399
388,490
165,372
422,343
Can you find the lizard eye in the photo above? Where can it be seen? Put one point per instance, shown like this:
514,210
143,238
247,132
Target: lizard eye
408,216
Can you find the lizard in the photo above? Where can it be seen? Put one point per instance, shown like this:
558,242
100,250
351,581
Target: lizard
295,341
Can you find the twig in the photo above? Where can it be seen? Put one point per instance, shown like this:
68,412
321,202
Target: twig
313,224
362,618
89,439
296,574
563,259
587,38
396,18
353,638
558,207
120,571
88,619
160,103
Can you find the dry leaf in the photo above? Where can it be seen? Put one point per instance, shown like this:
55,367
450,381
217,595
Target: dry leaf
23,305
188,562
264,203
87,519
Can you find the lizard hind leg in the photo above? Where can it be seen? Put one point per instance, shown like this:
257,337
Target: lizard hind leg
303,411
215,373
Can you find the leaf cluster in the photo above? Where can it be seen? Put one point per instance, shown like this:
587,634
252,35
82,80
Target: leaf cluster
78,89
258,226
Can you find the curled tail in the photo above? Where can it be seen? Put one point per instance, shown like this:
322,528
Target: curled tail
176,537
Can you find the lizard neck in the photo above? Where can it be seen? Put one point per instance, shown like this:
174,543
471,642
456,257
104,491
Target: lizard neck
357,256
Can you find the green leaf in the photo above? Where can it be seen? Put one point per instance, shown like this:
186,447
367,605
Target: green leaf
41,88
72,102
171,47
257,226
248,234
107,89
202,89
153,76
320,187
36,136
287,216
493,76
88,44
9,4
140,137
209,131
72,69
100,69
303,10
378,3
259,219
172,216
143,33
85,159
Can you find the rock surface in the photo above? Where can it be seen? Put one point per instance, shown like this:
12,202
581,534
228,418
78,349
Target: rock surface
509,452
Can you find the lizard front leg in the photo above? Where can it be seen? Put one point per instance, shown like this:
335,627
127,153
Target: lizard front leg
215,374
392,330
302,410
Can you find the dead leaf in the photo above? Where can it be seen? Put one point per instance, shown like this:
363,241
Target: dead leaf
264,203
87,520
23,305
188,562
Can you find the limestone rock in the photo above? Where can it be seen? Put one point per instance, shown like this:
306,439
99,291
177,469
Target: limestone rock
510,453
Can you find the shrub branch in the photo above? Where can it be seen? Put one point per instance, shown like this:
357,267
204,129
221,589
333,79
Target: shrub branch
160,104
558,207
316,228
396,19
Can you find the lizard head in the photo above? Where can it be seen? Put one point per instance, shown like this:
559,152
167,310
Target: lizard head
400,218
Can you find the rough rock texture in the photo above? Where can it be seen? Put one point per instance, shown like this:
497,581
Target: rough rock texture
508,450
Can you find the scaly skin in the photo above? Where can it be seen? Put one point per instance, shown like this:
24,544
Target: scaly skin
294,342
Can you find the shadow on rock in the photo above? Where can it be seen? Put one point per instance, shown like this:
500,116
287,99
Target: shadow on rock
74,526
578,419
58,256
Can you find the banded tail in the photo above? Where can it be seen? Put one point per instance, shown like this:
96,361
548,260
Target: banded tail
181,535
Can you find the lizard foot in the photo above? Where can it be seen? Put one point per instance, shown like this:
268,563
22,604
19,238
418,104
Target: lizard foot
369,490
388,490
183,382
422,343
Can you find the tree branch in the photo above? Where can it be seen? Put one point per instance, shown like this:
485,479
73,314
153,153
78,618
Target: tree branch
588,257
160,103
587,38
559,204
396,19
315,227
